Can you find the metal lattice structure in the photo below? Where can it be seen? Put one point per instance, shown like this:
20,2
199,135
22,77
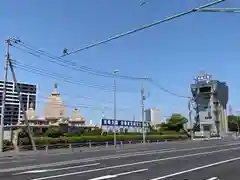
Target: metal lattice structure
209,103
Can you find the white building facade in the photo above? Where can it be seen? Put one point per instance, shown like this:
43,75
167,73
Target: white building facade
153,116
13,111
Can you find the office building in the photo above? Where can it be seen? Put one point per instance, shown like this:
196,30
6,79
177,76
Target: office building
152,116
13,111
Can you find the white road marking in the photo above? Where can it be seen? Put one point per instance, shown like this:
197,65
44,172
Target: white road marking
196,169
15,161
33,171
109,157
136,163
59,169
213,178
144,150
117,175
104,177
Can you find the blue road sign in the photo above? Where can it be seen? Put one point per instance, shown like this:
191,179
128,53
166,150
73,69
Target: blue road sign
125,123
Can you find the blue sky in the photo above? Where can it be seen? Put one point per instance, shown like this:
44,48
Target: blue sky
171,53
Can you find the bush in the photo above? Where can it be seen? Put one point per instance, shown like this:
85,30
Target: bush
99,138
54,132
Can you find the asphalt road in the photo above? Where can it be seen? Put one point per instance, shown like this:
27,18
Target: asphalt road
198,160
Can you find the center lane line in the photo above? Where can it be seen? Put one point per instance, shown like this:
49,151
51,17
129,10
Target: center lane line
213,178
116,175
16,161
59,169
136,163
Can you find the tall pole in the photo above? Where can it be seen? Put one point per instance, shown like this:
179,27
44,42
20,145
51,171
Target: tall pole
142,110
7,43
22,106
190,118
115,108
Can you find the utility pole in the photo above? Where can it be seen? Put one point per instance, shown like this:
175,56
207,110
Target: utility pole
8,62
22,106
142,110
115,108
190,118
7,44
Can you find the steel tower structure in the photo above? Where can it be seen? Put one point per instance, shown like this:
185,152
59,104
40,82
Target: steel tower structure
209,98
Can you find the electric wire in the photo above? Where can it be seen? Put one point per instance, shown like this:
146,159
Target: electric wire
166,90
31,69
143,28
71,64
36,71
221,10
85,106
53,75
64,94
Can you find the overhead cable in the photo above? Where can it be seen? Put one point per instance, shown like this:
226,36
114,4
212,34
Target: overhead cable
87,106
166,90
60,77
64,79
143,27
76,96
225,10
70,64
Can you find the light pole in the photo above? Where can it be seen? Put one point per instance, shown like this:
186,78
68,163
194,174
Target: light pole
115,107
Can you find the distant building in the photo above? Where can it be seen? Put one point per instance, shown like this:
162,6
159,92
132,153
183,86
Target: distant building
55,109
13,111
152,116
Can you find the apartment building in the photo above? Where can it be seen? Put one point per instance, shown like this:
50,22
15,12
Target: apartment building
12,106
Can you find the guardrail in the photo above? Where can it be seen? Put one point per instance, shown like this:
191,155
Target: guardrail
85,145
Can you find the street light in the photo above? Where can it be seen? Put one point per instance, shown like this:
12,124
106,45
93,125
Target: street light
115,106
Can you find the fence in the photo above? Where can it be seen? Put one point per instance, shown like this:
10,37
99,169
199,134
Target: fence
85,146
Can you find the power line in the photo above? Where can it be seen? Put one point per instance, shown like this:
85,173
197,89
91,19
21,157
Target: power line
142,28
42,72
224,10
69,64
67,79
85,106
82,97
166,90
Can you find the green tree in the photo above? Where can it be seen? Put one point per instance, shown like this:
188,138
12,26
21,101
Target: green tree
234,123
54,132
176,122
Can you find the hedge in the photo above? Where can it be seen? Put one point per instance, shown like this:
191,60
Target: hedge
108,138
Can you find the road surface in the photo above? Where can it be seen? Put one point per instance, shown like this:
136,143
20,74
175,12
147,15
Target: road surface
190,160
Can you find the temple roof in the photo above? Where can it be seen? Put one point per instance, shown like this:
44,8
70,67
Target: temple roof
76,116
55,108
